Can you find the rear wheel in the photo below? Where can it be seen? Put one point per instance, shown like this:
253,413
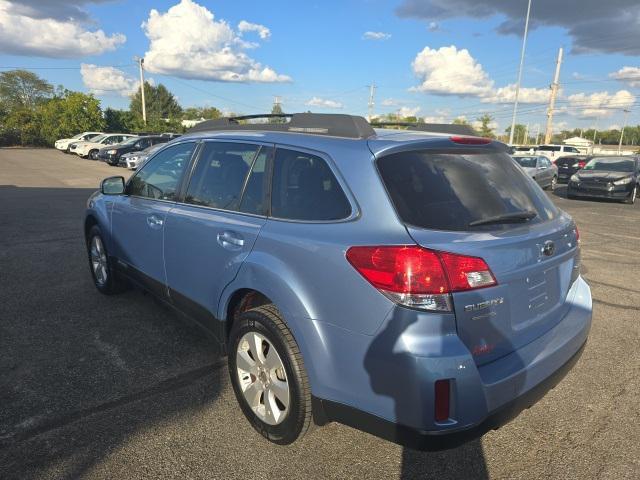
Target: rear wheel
268,375
631,199
554,183
93,154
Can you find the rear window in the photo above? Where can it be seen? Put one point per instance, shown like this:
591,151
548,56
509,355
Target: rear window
549,148
445,191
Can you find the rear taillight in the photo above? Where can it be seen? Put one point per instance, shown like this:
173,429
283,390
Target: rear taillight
417,277
581,164
470,140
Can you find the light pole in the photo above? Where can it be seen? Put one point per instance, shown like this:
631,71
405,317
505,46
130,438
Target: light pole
624,124
140,61
524,46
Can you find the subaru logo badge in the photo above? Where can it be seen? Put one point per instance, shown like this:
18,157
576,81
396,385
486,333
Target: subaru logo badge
549,248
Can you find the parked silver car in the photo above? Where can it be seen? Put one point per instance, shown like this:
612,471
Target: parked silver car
135,159
540,169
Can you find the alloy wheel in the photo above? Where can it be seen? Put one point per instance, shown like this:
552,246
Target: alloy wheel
98,260
262,378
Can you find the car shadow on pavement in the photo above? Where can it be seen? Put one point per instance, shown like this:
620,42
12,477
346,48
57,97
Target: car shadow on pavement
82,373
394,372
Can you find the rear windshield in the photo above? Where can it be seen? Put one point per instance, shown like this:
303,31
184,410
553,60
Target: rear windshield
527,162
446,191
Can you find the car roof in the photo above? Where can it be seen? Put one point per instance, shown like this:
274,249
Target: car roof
384,140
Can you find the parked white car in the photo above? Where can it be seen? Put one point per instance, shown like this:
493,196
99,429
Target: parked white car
554,152
63,143
90,148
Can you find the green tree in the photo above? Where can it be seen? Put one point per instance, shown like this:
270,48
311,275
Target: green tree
519,133
460,121
277,110
485,130
118,121
63,117
22,89
196,113
161,106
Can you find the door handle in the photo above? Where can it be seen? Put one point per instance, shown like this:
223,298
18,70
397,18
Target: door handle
155,221
230,240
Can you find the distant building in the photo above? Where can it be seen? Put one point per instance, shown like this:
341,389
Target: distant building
585,146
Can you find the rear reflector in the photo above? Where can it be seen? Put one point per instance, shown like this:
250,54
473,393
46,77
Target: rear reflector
418,277
442,400
470,140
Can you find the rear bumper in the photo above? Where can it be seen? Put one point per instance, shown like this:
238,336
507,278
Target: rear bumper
325,411
384,384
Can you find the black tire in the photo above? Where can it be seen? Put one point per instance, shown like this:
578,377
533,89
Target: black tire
553,184
113,283
267,321
93,154
631,199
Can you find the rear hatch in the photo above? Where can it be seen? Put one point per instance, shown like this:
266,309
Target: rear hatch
469,202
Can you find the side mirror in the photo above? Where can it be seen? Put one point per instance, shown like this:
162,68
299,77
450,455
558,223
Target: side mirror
112,186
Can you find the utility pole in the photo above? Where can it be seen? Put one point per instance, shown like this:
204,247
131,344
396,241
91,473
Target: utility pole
537,133
372,91
526,135
552,98
624,125
140,61
515,103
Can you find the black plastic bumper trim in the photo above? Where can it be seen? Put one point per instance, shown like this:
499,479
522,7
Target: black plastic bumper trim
325,411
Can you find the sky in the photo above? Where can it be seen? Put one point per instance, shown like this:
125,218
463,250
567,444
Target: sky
437,59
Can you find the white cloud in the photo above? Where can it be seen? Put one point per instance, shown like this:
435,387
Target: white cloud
615,126
508,95
449,71
323,103
435,119
433,26
24,33
376,36
187,41
408,111
390,102
107,80
600,104
263,32
630,75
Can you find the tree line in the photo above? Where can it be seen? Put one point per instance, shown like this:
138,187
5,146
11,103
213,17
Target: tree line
35,113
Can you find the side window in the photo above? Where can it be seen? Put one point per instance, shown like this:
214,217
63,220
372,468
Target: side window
304,188
253,196
160,176
220,174
143,143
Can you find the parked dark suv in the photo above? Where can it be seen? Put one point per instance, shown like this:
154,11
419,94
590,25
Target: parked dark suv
567,166
111,155
416,285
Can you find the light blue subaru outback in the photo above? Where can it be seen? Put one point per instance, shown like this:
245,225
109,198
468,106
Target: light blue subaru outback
415,285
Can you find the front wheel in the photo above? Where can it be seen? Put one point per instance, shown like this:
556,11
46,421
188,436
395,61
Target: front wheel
631,199
268,375
554,183
103,274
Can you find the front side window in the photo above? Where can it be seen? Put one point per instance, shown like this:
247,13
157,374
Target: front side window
220,175
161,175
304,188
526,162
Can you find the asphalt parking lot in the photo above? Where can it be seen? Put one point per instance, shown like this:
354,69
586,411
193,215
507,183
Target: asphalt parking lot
120,387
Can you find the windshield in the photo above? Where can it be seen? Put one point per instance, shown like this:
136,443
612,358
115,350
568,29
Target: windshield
446,191
75,137
130,141
98,139
613,164
526,162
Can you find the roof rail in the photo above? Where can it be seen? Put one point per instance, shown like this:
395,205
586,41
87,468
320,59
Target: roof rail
335,125
450,128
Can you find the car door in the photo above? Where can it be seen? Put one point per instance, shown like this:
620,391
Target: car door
543,170
212,230
138,216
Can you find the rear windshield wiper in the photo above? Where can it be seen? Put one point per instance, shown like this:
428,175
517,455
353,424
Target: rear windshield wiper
514,217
